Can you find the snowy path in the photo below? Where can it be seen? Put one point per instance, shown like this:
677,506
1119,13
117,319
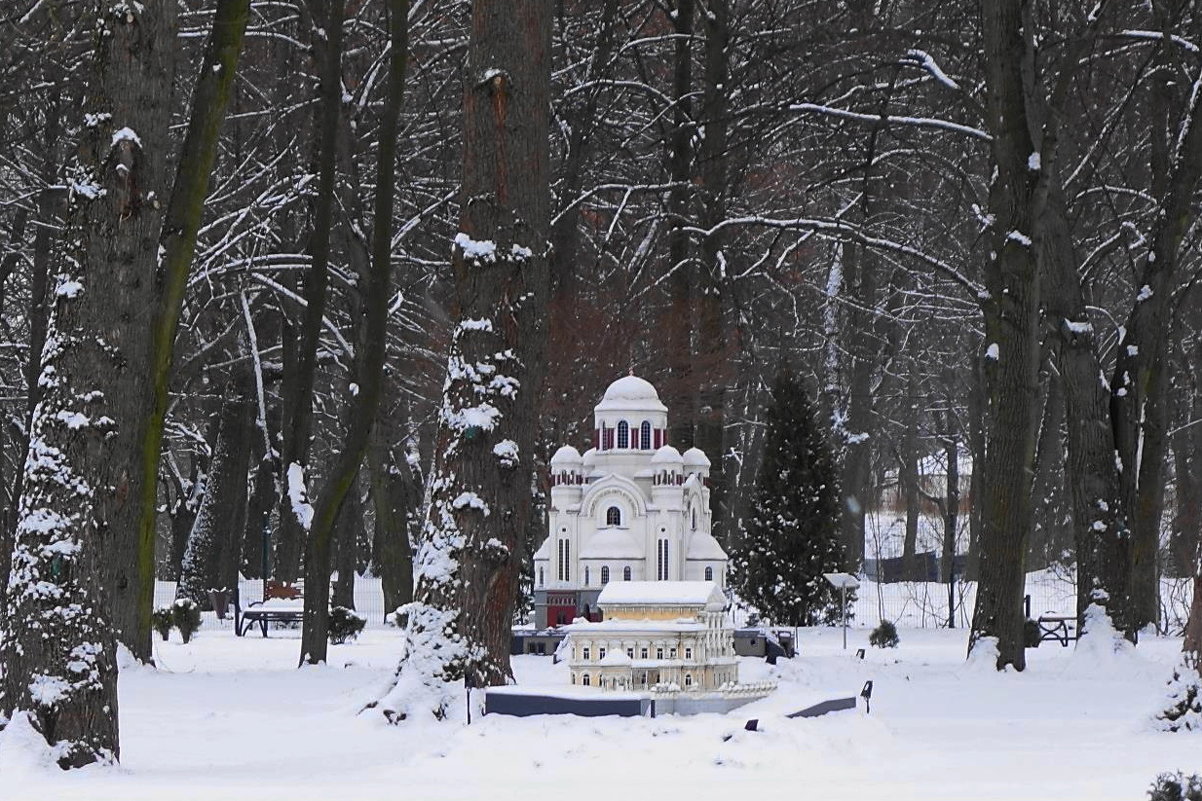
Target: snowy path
228,718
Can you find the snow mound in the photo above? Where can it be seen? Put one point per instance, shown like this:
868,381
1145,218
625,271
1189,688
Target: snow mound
984,655
1100,647
23,751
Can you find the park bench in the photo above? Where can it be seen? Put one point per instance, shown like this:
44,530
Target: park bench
282,603
1060,628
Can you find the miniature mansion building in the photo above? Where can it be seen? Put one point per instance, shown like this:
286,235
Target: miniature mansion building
630,509
666,636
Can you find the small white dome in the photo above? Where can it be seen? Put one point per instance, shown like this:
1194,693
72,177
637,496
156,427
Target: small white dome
695,457
631,393
589,458
667,455
631,387
566,455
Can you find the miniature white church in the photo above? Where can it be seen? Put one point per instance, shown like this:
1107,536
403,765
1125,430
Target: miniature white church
632,508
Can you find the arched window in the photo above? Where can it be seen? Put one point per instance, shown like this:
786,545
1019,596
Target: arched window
604,575
613,516
586,575
584,680
623,434
688,680
645,435
709,574
626,573
541,577
694,518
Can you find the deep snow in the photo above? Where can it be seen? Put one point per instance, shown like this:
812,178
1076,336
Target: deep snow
227,718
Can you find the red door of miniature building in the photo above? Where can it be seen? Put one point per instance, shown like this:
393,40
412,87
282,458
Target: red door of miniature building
561,608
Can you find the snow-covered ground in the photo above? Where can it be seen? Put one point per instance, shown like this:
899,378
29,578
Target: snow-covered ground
227,718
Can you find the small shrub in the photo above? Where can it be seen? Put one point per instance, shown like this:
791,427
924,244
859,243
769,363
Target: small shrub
161,621
185,613
345,624
1031,637
884,635
1176,787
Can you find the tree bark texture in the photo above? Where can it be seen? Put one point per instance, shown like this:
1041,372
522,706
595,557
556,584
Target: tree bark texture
298,406
76,503
480,496
214,544
177,245
370,361
396,492
1012,342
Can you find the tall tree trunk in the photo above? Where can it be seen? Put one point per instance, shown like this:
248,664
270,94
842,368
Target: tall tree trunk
60,668
396,492
350,529
459,625
214,544
713,356
908,479
1100,525
298,406
1012,341
678,327
1138,387
177,246
370,361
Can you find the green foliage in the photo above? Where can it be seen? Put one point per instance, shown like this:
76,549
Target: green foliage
884,635
185,614
793,538
1176,787
345,624
1031,634
161,621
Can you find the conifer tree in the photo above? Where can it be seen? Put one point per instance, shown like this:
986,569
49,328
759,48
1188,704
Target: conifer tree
793,536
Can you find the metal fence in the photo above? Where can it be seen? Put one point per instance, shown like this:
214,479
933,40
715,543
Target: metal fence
924,604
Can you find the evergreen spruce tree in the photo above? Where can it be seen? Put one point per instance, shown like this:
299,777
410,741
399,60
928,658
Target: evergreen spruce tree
793,536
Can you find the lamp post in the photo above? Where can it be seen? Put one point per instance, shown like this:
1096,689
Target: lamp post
845,582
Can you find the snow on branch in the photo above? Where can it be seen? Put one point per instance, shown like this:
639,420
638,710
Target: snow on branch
920,122
923,59
854,233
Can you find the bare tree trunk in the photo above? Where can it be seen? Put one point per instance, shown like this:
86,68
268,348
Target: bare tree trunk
298,406
350,529
1137,400
177,246
678,327
215,542
370,361
1012,342
459,625
396,492
60,669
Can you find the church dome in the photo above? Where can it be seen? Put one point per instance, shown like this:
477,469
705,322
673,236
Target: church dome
631,393
567,455
695,457
589,459
667,455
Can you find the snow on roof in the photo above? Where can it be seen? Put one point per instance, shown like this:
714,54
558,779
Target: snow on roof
611,543
566,455
631,393
704,546
625,626
590,457
667,455
665,593
544,550
696,456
